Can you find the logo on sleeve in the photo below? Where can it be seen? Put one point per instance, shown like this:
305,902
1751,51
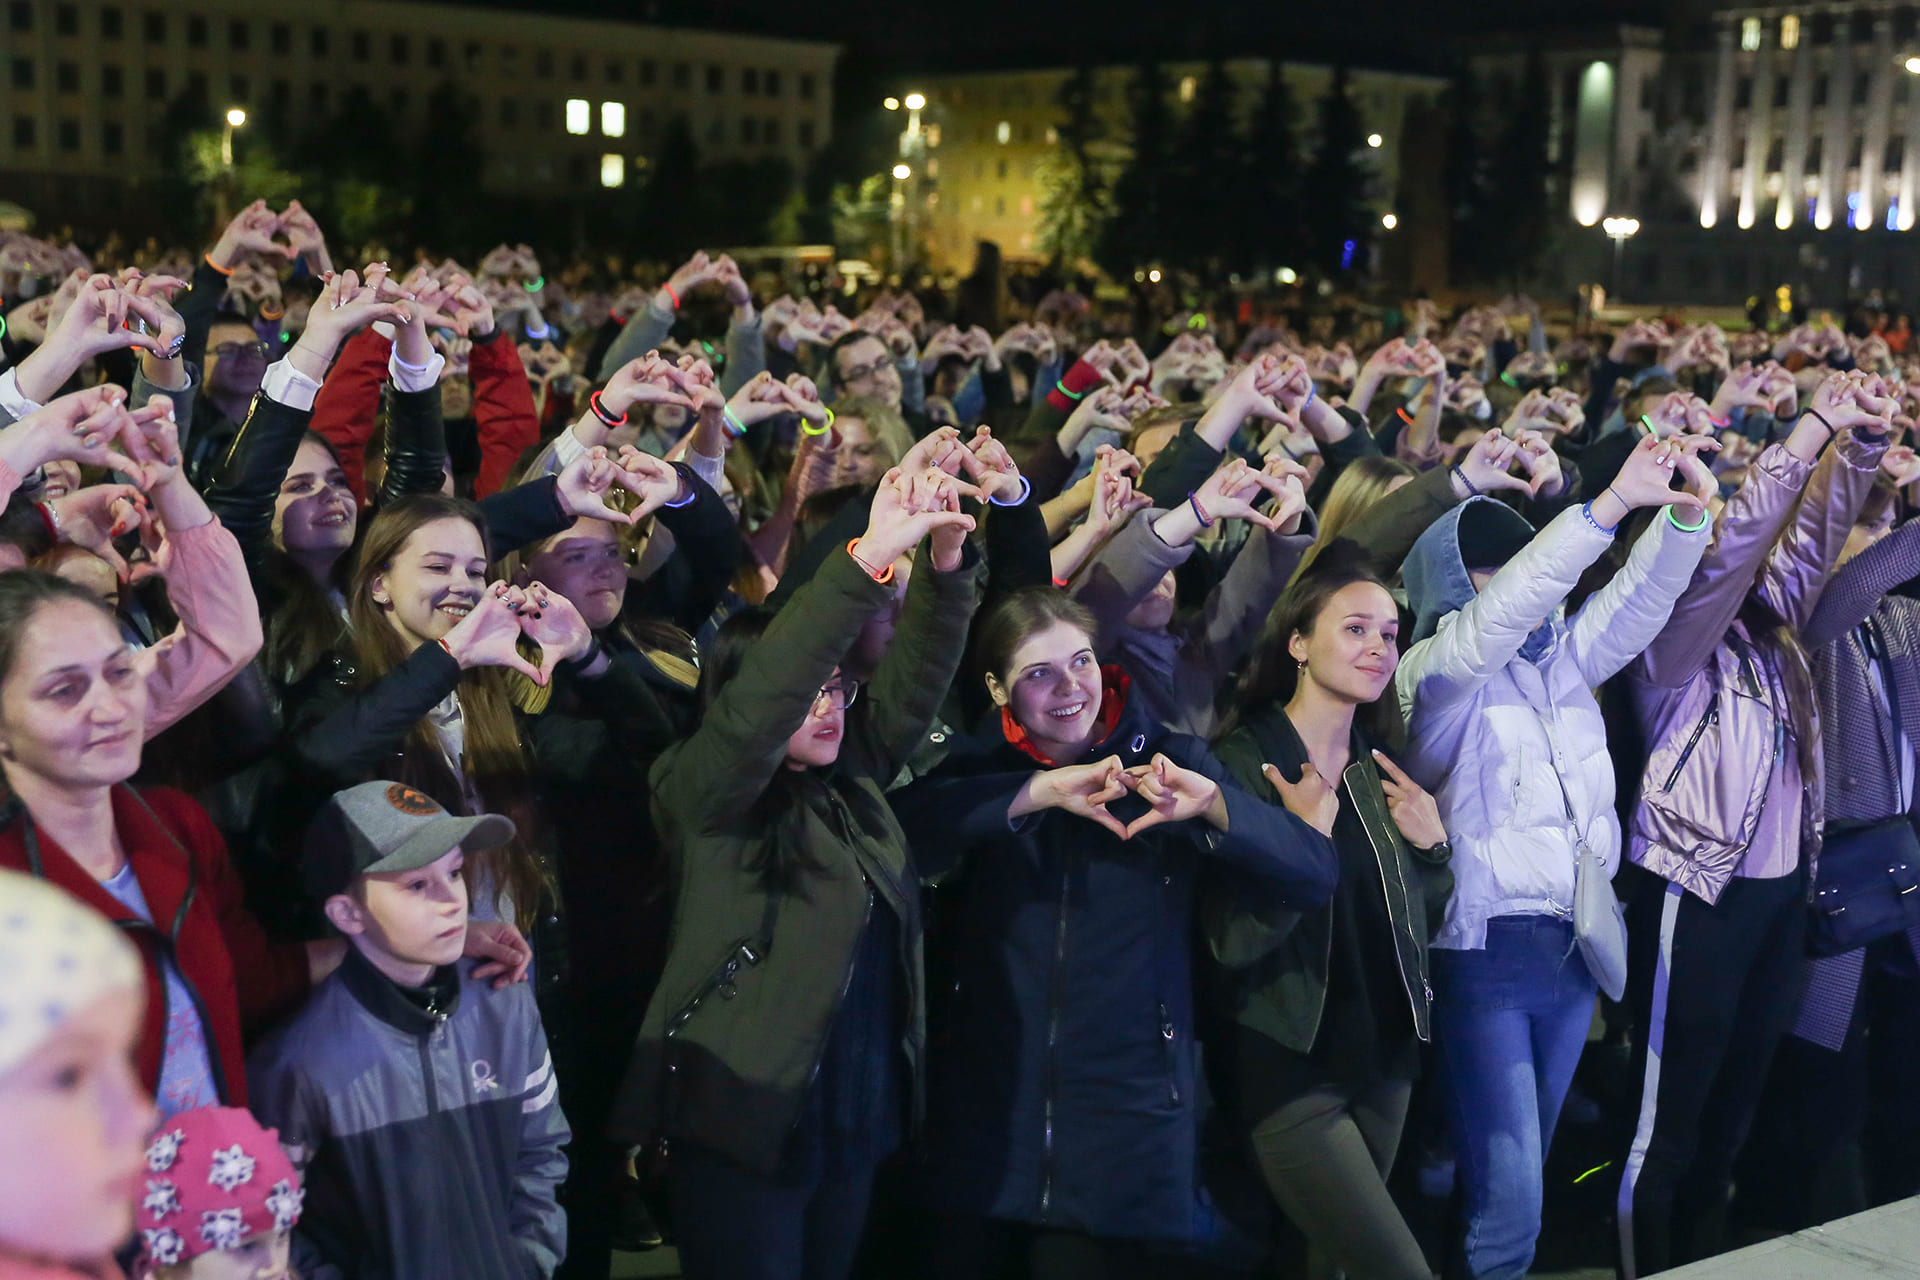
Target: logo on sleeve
481,1072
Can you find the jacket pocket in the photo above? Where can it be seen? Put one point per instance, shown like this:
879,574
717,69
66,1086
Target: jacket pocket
1707,721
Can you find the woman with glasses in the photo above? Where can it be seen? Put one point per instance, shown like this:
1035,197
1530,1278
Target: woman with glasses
782,1052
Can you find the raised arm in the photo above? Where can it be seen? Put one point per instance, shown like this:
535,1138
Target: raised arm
1858,587
722,769
1797,570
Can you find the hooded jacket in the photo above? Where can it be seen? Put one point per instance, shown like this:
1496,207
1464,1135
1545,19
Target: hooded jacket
1500,714
1063,1090
1711,701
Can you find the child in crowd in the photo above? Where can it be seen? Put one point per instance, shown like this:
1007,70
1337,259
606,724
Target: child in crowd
418,1100
220,1200
71,1108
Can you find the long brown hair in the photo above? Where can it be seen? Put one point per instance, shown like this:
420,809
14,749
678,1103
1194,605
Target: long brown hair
1363,483
1273,675
492,756
304,626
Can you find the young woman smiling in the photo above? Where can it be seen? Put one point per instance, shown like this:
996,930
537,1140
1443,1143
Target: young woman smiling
1072,1145
1333,1004
782,1054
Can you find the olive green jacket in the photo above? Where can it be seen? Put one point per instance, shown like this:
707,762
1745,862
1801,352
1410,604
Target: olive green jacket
736,1029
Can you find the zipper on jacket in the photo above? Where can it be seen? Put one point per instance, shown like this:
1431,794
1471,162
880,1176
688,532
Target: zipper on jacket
426,1071
1406,983
1054,998
1173,1055
846,982
1686,753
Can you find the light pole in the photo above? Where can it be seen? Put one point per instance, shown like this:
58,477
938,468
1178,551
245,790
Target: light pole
1619,230
236,117
901,206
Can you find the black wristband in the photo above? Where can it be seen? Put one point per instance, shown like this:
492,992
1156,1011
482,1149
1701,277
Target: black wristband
593,654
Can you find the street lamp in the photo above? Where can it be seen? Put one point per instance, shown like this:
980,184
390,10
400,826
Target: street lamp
891,104
902,172
1375,141
1389,221
1913,66
236,117
1619,230
915,101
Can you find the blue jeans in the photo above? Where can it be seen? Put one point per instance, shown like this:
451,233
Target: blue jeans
1510,1022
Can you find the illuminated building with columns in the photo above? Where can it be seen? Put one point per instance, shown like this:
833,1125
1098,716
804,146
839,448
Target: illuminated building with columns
1755,148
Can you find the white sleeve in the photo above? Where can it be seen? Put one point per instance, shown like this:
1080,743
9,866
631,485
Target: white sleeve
16,405
414,377
284,384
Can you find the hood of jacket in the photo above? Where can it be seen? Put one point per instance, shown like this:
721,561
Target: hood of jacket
1436,576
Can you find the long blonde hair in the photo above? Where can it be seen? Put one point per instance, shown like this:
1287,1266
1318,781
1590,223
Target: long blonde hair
1363,483
492,755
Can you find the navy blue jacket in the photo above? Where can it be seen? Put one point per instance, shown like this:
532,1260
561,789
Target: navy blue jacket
1062,1065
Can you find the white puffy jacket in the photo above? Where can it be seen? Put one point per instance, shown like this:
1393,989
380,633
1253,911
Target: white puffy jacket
1493,735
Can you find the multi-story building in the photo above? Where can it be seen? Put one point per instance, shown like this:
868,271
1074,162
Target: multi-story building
558,104
985,134
1754,147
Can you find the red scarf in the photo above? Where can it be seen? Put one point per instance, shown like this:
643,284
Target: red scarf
1113,702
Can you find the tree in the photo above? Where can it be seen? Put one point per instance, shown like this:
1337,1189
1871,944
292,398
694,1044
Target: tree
1517,198
1075,201
1137,231
1269,231
1201,170
1338,224
444,183
1466,178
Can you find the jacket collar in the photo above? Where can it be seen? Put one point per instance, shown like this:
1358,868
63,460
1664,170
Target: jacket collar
405,1011
1115,687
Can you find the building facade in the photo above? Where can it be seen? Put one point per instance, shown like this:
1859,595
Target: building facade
559,105
1755,148
983,137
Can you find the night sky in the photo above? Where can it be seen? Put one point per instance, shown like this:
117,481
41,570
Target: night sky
909,35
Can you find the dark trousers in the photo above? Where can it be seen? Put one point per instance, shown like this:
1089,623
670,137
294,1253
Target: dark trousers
1326,1156
802,1223
1715,988
973,1247
1838,1132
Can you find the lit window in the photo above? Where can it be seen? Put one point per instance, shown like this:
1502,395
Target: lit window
613,171
1790,31
1003,132
1187,85
1750,34
613,119
579,115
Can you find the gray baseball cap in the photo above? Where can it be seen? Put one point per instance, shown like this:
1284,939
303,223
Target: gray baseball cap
388,826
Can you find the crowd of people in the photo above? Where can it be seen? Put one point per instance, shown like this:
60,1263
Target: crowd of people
503,767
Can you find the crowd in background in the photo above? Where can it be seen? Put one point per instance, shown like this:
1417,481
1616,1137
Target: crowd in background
973,782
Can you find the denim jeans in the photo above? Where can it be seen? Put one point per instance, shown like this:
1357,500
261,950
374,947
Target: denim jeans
1510,1022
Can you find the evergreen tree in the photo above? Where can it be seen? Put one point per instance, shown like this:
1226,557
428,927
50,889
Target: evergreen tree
1267,232
1137,231
1336,186
1466,178
1201,171
1517,179
671,219
445,182
1074,198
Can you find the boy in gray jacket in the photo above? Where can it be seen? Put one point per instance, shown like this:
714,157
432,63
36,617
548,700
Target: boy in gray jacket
416,1099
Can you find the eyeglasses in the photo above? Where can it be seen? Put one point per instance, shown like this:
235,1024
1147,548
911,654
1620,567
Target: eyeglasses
862,372
227,350
838,694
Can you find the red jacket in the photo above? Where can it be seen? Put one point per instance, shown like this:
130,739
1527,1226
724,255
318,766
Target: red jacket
221,951
348,406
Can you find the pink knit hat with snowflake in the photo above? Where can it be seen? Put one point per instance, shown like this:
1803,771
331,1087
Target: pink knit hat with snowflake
215,1178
